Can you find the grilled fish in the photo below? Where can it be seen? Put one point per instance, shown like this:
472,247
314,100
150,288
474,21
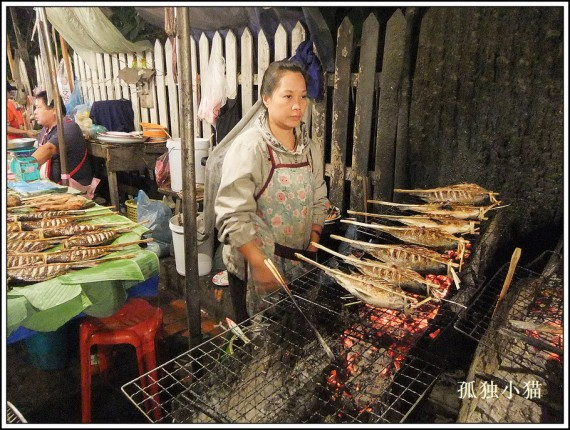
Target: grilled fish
406,279
417,258
34,216
30,245
464,194
96,238
455,211
43,272
423,236
444,223
369,290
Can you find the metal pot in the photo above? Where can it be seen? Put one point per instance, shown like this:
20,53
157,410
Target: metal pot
23,143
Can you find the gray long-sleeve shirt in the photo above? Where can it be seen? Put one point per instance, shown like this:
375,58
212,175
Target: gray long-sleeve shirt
245,170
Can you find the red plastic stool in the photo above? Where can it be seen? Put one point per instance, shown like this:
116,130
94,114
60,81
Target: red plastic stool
137,324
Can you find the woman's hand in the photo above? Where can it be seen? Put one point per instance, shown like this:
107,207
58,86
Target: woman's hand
262,277
32,133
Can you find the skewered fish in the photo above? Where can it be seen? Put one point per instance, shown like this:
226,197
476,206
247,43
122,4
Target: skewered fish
430,237
465,194
34,216
406,279
68,256
13,200
55,222
43,272
456,211
418,258
94,239
56,202
30,245
369,290
444,223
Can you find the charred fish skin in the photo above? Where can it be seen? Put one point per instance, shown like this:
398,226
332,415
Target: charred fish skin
404,280
91,239
465,194
37,273
23,260
29,245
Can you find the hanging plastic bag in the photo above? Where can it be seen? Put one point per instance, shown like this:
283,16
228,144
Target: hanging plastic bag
214,87
63,82
162,171
75,98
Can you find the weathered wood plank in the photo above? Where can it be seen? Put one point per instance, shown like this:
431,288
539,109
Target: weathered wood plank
161,100
319,120
263,58
401,176
231,64
153,111
280,43
388,106
141,63
298,35
77,73
124,86
98,75
340,112
115,73
108,77
172,91
246,75
363,113
204,55
134,97
89,83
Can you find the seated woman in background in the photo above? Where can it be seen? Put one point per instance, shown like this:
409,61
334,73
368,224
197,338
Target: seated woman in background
15,122
77,157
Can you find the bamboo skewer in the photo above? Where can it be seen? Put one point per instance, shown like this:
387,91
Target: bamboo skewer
512,266
277,275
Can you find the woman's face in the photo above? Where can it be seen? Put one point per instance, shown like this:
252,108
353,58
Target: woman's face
43,114
286,106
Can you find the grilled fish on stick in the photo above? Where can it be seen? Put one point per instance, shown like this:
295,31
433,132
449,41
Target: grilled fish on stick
369,290
43,272
68,256
444,223
418,258
456,211
406,279
31,245
465,194
96,238
35,216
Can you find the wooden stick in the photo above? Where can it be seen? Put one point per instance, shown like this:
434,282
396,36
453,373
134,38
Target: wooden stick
66,61
512,266
278,276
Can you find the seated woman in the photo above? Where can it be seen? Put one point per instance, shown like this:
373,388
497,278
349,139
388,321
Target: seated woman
15,120
78,159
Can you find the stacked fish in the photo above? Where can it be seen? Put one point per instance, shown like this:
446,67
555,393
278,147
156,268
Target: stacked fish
34,227
398,276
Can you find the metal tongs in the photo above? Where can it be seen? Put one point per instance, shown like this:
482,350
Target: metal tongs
277,275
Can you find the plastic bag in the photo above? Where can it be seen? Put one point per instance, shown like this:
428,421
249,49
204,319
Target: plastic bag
214,88
82,118
75,98
63,82
156,216
162,171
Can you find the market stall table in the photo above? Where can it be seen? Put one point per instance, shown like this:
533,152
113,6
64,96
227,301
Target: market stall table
97,291
124,157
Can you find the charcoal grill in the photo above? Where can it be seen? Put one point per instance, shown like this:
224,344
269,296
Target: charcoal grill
282,375
536,300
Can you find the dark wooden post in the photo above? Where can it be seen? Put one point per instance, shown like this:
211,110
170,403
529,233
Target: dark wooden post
188,181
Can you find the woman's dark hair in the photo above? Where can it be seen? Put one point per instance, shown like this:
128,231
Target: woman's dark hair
43,95
274,72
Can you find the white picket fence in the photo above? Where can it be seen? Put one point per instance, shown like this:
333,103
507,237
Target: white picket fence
103,82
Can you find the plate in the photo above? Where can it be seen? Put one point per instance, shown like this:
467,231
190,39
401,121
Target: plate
221,278
333,214
22,143
119,139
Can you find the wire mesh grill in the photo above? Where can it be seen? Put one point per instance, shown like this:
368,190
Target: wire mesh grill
530,333
13,415
283,375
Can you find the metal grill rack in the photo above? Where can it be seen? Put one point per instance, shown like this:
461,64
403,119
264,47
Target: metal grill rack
534,300
13,415
282,375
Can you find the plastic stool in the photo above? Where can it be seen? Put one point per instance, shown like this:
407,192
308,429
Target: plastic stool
137,324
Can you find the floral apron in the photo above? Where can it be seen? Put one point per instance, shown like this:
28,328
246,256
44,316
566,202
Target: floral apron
284,207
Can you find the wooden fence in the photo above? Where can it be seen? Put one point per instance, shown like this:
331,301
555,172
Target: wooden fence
357,116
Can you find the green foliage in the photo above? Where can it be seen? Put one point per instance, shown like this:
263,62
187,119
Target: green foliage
133,27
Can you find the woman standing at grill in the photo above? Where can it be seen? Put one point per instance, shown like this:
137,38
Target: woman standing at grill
272,197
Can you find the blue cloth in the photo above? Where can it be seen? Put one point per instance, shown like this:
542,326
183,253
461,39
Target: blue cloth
305,56
114,115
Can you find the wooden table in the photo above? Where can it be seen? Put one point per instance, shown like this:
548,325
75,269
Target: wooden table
125,157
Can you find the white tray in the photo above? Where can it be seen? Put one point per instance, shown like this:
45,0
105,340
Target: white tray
120,139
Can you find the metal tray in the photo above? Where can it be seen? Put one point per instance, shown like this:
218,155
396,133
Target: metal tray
22,143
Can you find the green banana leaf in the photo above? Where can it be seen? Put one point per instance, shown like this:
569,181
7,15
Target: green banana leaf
17,311
106,297
53,318
47,294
